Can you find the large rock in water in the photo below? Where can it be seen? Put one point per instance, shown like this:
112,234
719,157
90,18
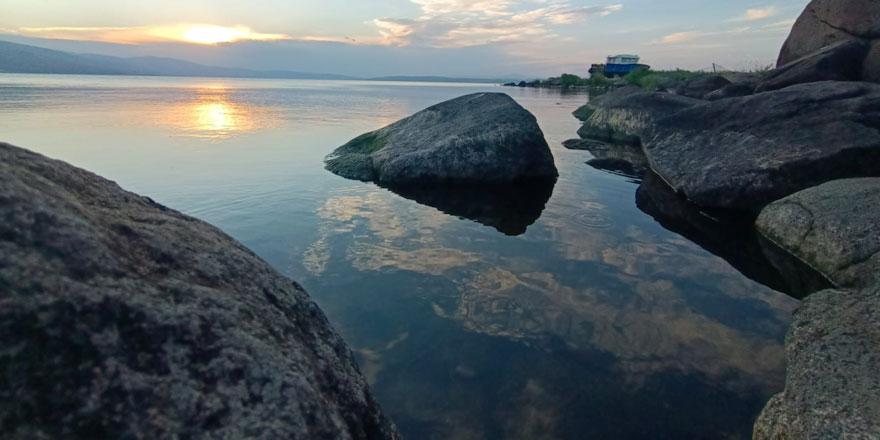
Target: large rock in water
832,387
743,153
477,138
120,318
833,227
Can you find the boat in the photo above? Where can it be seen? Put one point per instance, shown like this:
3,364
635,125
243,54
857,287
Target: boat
618,65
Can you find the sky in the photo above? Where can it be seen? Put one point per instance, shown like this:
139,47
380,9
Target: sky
466,38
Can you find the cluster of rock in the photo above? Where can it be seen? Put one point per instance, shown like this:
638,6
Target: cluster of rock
797,153
122,318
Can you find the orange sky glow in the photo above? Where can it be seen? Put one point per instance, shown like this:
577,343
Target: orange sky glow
190,33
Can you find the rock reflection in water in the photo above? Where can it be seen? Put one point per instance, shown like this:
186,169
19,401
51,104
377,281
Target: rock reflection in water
730,236
626,160
510,209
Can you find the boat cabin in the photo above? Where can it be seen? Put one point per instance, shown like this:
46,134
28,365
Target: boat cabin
623,59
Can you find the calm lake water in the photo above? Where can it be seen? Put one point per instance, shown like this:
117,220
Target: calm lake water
596,322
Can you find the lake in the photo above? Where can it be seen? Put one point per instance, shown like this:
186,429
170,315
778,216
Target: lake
564,314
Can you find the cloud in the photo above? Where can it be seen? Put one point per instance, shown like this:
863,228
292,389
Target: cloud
756,14
573,15
441,7
462,23
782,25
679,38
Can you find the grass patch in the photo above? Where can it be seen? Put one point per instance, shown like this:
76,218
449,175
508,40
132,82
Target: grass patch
568,80
649,80
584,112
353,160
367,143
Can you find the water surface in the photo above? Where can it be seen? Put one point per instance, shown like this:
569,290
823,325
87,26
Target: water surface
584,319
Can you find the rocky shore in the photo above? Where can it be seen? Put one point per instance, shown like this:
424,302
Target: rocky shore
121,318
795,156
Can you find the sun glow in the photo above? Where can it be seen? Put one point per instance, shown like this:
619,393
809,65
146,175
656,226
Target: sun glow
215,34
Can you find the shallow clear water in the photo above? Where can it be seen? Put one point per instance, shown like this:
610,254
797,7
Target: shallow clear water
596,322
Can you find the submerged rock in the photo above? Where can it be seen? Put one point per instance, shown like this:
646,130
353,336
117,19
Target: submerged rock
743,153
840,61
832,387
832,227
584,144
122,318
621,159
477,138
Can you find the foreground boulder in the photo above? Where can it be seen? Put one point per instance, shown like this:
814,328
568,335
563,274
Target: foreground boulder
121,318
840,61
832,387
628,116
832,227
824,22
478,138
743,153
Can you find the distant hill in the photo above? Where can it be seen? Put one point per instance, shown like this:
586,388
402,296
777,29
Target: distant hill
441,79
22,58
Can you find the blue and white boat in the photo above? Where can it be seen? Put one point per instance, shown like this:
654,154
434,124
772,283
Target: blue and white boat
618,65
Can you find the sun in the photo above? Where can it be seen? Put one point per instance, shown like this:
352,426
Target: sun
214,34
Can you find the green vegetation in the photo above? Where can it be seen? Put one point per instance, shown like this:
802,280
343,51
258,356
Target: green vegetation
651,79
762,69
367,143
584,112
353,160
568,80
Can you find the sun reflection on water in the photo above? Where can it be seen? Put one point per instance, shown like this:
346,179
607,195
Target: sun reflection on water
214,113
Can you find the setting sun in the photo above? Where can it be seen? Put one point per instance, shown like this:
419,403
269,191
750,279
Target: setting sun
215,34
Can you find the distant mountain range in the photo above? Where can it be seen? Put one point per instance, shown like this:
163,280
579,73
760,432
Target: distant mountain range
21,58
